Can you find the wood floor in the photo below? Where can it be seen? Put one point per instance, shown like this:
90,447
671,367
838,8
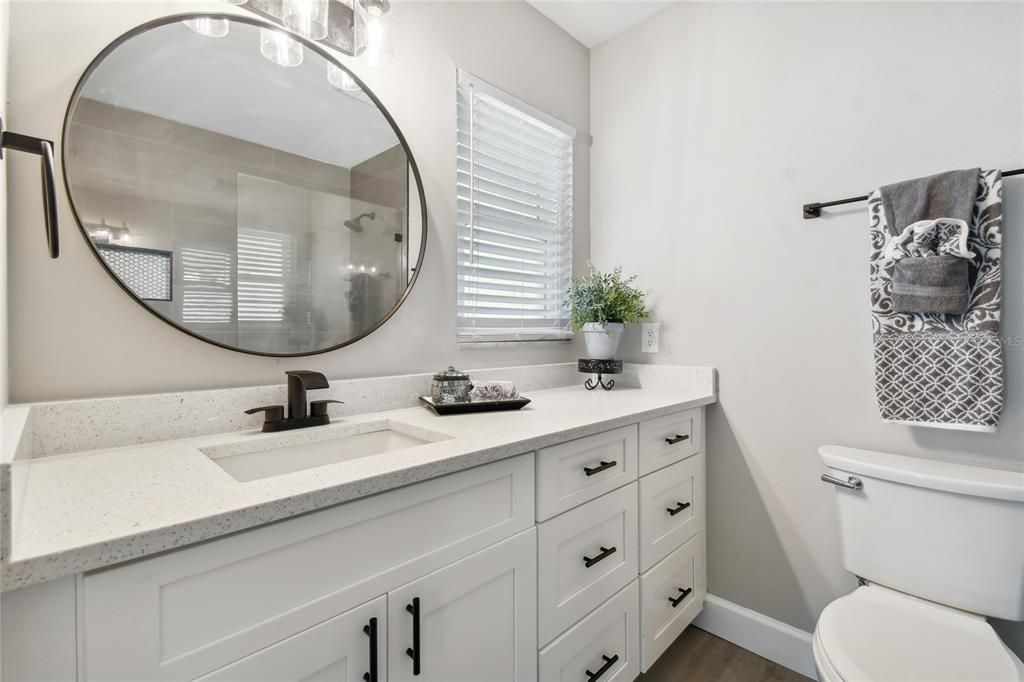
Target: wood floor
700,657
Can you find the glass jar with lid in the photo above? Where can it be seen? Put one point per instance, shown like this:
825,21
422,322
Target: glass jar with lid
450,386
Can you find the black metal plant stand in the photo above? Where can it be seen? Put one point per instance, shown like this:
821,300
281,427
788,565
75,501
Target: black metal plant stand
600,368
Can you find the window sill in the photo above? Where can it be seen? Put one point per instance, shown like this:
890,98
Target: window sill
539,343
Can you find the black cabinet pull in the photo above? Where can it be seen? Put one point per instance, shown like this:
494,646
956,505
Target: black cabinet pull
44,149
413,652
609,661
371,632
590,471
683,594
680,506
677,439
605,553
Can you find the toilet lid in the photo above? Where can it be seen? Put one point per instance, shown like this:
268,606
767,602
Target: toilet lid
879,634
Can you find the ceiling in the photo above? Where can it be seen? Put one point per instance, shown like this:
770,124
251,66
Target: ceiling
594,21
224,85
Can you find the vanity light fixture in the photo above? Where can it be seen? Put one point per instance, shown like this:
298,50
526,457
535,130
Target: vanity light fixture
375,43
354,27
211,27
110,234
307,18
279,48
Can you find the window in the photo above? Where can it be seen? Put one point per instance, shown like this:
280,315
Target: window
514,218
264,267
207,297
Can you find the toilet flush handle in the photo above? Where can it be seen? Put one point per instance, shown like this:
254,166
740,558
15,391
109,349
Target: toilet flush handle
851,482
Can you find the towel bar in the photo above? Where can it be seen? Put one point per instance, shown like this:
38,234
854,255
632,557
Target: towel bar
814,210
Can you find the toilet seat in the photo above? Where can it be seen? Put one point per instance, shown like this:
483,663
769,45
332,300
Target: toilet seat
876,634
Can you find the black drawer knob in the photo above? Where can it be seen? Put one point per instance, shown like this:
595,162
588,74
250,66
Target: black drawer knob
413,652
680,506
370,630
605,553
590,471
683,594
609,661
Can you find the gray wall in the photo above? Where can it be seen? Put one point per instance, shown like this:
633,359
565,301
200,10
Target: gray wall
67,315
713,124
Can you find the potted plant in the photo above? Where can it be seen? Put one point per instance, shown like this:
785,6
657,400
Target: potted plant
602,302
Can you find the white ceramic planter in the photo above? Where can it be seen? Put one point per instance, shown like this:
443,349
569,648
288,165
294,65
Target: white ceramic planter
602,340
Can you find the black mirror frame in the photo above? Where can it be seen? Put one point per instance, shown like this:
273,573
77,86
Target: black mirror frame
307,44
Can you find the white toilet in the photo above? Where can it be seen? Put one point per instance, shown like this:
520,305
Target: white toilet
939,546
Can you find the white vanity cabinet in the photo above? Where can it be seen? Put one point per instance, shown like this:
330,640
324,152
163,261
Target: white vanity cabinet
620,533
582,561
188,613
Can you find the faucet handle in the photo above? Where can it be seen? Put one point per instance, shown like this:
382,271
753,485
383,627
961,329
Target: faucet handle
318,408
273,413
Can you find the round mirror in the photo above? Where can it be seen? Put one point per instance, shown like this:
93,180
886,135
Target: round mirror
244,186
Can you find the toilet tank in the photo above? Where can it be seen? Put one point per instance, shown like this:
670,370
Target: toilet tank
950,533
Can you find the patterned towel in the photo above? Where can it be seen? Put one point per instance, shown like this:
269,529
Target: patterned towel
944,371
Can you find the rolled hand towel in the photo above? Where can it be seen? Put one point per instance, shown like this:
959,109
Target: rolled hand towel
936,285
494,390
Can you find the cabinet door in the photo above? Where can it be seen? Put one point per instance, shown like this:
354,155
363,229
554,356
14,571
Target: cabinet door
351,647
475,620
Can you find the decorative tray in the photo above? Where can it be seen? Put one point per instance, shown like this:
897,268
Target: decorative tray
481,406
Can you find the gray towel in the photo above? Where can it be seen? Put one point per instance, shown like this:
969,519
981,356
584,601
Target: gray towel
942,370
946,195
364,303
930,284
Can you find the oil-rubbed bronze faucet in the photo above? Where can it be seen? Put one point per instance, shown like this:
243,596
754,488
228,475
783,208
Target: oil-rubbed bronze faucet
300,415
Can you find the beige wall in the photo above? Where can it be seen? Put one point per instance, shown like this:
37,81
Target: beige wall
713,123
64,312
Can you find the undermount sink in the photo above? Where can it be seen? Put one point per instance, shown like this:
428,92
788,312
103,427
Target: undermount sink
300,450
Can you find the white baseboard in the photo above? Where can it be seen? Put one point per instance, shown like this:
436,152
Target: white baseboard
766,637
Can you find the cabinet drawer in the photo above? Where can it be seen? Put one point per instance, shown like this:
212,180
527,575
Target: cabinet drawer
666,607
585,556
668,439
338,649
569,474
608,639
671,509
189,612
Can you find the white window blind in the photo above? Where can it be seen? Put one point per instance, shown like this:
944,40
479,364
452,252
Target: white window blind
514,218
264,268
207,296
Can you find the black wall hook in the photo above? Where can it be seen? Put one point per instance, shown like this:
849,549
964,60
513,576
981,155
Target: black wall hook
44,149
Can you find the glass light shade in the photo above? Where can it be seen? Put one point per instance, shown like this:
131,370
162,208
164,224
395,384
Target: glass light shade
341,79
211,27
376,38
279,48
307,18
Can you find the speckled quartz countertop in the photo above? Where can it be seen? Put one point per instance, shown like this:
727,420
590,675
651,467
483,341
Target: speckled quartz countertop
82,511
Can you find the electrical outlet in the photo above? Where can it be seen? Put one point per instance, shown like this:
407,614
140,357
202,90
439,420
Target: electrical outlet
649,337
